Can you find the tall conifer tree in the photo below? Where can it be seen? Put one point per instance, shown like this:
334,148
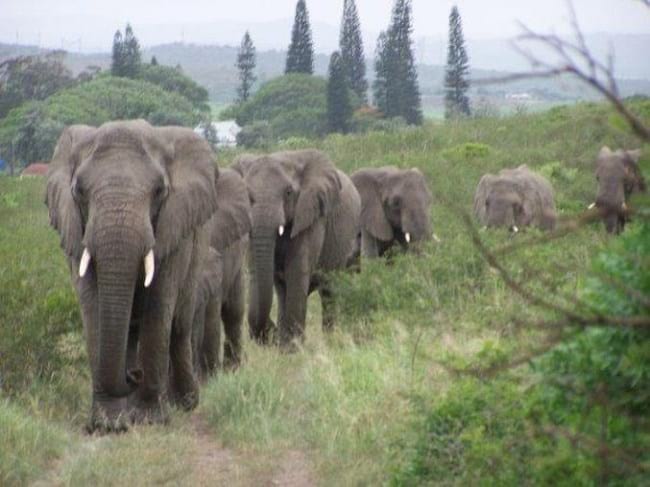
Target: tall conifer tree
117,61
402,94
132,56
456,82
351,48
246,66
379,84
300,58
339,108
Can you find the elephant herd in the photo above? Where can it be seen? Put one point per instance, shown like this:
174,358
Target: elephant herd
157,238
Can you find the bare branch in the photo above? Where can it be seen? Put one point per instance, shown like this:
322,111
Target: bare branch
574,58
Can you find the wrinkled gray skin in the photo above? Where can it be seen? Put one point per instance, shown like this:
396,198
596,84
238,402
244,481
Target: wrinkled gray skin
120,191
221,291
394,203
619,177
318,208
515,198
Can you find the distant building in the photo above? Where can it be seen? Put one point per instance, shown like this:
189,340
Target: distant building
226,130
35,169
519,96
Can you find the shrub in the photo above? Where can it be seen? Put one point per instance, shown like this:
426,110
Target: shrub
256,135
468,150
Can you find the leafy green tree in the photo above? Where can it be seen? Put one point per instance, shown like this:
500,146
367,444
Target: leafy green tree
293,105
456,82
400,94
32,78
173,80
300,58
339,107
117,59
246,66
351,48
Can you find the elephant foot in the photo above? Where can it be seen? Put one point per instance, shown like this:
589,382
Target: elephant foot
264,336
108,417
150,412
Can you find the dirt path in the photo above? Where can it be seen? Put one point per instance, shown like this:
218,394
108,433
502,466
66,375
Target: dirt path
217,465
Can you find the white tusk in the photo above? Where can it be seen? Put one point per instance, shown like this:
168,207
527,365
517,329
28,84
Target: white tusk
591,206
281,230
436,238
148,268
407,237
85,260
624,206
515,228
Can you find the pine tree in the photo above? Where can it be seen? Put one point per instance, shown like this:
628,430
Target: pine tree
117,62
351,47
132,56
300,58
154,61
401,95
246,65
456,83
379,84
339,108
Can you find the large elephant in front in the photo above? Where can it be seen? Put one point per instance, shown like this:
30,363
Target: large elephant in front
130,203
619,177
221,290
515,198
395,208
305,216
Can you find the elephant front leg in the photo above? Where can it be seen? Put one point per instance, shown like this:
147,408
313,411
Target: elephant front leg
184,387
294,310
232,315
369,245
211,344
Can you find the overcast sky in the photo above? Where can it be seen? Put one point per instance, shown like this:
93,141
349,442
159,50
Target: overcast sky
58,22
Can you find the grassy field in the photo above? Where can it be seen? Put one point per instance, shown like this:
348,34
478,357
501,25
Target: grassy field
348,407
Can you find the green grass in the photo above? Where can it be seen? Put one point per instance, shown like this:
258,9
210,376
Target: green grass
354,401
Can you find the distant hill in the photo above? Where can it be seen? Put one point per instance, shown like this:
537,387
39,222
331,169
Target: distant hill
213,66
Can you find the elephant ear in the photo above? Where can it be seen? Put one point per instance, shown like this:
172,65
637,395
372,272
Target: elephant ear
244,163
633,171
65,216
232,220
320,188
373,217
481,195
192,199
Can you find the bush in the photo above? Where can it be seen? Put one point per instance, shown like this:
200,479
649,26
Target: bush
175,81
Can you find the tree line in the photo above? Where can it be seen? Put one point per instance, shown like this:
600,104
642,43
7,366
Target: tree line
395,91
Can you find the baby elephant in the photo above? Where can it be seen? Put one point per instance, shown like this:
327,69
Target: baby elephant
395,208
220,297
619,177
515,198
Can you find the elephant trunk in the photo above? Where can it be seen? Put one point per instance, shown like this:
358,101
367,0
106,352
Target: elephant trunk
610,201
118,260
262,269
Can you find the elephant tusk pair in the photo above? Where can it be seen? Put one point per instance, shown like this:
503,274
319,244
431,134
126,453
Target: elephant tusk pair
149,266
281,230
407,237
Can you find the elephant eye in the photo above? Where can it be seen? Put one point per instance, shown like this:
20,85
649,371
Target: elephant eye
161,192
288,191
77,191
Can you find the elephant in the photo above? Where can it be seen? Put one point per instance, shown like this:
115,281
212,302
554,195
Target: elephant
515,198
619,177
221,290
395,208
305,219
131,203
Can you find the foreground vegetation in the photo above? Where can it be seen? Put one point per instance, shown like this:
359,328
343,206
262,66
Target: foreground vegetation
383,399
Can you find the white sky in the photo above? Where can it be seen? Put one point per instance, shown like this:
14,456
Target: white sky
53,20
